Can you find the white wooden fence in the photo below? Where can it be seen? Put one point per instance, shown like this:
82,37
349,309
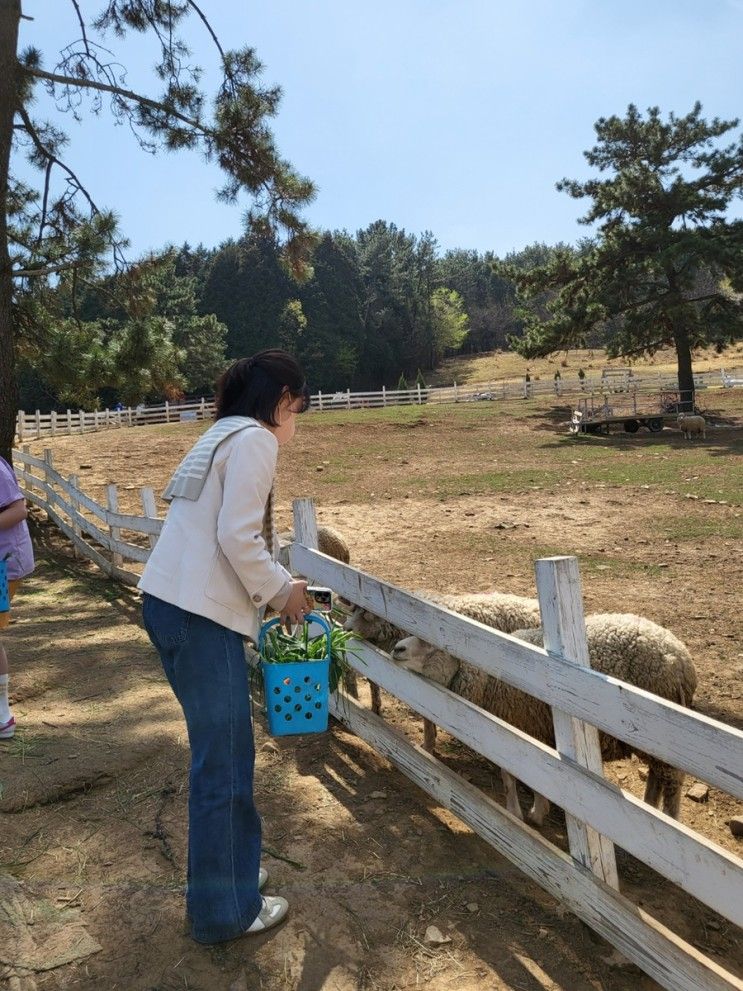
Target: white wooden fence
599,814
34,426
94,530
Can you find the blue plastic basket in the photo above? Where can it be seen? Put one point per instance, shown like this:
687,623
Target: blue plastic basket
296,693
4,592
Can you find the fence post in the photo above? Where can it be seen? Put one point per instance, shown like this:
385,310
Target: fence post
74,481
348,399
150,509
419,393
167,411
112,498
202,409
456,393
107,418
305,522
49,463
69,421
53,422
21,425
38,424
319,400
561,606
384,396
129,415
81,421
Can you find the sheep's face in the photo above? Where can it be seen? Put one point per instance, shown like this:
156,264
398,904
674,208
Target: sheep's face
421,658
342,605
364,623
411,654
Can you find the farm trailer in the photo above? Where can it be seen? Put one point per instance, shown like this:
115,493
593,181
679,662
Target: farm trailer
597,414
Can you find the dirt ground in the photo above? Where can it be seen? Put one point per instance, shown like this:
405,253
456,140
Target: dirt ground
92,847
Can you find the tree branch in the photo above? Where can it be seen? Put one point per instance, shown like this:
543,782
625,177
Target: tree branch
207,25
125,94
82,25
644,347
25,273
43,150
45,201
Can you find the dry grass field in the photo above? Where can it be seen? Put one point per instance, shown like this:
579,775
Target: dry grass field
508,365
449,498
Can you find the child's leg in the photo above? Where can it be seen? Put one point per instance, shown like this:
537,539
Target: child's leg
7,723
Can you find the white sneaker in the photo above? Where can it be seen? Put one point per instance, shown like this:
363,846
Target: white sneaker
273,911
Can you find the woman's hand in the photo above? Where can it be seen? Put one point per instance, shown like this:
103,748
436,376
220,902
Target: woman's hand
296,605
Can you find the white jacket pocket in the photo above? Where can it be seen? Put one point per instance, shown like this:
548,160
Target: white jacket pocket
223,586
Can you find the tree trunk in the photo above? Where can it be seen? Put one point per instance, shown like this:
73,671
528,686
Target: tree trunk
685,372
10,15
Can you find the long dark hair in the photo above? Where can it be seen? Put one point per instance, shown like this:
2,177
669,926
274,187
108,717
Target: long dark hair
254,386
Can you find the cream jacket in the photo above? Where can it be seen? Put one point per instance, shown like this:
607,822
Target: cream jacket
211,557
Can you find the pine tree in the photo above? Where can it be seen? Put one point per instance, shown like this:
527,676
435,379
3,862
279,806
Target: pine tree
58,230
666,265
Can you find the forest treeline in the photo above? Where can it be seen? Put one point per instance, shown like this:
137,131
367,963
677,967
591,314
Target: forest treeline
378,305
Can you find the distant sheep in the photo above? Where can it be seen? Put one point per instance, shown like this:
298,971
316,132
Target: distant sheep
628,647
498,610
692,426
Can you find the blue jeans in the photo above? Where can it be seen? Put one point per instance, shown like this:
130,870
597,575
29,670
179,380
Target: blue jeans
206,667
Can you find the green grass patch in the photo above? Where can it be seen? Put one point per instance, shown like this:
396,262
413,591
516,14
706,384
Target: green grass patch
514,480
698,528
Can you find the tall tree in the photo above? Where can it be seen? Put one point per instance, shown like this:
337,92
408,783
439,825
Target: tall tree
666,265
450,323
57,230
488,300
247,289
332,301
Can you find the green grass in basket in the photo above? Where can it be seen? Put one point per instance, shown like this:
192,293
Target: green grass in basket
280,647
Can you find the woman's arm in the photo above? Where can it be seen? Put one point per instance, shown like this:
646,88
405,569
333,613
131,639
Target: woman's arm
248,479
12,514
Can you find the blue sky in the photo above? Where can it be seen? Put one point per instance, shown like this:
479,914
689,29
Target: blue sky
455,116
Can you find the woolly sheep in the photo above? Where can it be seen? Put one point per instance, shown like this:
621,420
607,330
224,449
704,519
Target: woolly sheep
499,610
692,426
333,543
628,647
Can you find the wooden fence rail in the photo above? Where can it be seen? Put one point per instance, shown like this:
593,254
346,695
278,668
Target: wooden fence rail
94,530
37,425
598,813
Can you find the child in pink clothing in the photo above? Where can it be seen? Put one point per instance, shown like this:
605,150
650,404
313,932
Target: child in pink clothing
17,552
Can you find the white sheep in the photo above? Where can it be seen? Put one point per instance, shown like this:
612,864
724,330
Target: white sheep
692,426
499,610
628,647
